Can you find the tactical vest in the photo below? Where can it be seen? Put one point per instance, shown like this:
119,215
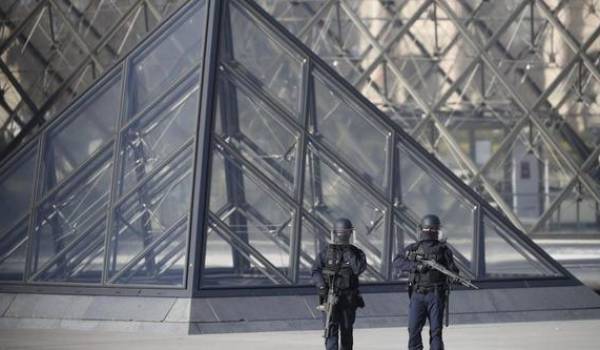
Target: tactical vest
431,277
344,278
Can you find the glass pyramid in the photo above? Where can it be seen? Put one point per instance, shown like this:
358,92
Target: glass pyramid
464,78
117,193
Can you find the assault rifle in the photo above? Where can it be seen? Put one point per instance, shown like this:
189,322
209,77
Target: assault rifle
452,277
327,307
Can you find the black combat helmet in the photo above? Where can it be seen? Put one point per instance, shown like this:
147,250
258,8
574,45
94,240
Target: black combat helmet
342,231
430,225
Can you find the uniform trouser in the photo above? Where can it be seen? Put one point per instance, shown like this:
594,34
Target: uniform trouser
422,307
341,326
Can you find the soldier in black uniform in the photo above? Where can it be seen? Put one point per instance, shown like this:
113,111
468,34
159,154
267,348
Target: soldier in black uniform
346,262
427,287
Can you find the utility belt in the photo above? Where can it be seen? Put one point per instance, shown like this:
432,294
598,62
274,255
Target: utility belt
428,289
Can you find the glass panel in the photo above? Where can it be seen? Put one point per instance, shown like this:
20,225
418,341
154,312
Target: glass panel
82,261
219,263
68,239
423,194
577,212
169,59
256,132
528,176
361,141
314,239
161,132
431,139
16,188
252,221
329,194
148,243
505,257
13,252
403,234
90,126
270,65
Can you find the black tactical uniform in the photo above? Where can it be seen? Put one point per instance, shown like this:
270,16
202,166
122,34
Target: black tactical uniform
427,287
345,262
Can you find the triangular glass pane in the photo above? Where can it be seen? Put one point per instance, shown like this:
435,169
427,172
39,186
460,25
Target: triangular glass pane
330,194
150,222
404,233
383,88
315,238
230,263
71,220
528,175
356,137
164,264
424,193
16,189
253,220
88,128
507,257
279,71
257,133
160,133
169,58
81,261
578,211
13,252
430,138
479,131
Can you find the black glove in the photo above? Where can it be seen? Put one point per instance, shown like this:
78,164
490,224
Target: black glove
347,254
323,292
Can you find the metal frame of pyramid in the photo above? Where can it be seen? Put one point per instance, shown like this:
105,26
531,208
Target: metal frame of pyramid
52,50
526,69
249,204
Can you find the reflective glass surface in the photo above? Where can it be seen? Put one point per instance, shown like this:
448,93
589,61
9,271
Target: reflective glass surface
70,223
169,58
113,207
253,222
315,238
256,133
329,194
113,195
16,188
422,64
506,258
354,135
13,252
158,134
423,193
83,131
269,63
148,243
259,197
